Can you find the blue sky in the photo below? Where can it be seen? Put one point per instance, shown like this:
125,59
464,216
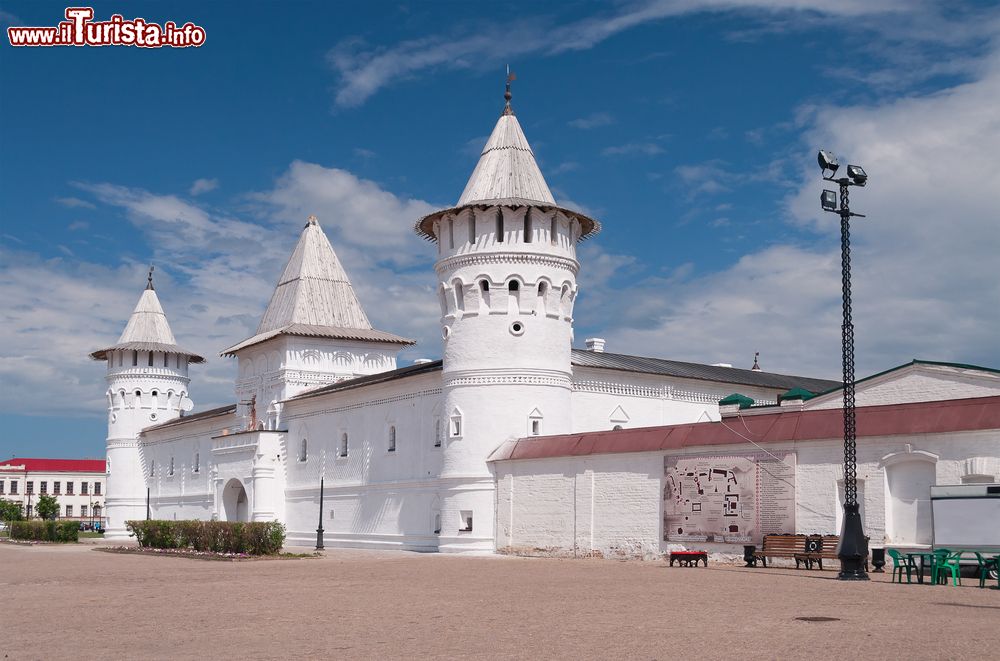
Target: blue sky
689,129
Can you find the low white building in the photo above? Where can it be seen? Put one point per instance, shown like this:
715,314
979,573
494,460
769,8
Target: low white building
401,452
758,470
78,485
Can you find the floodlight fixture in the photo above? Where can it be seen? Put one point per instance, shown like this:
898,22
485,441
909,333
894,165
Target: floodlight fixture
857,174
828,161
829,200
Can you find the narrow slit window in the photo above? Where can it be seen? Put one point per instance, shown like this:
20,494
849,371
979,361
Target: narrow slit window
459,295
499,226
135,359
392,438
451,233
343,445
553,236
150,359
472,228
527,226
166,357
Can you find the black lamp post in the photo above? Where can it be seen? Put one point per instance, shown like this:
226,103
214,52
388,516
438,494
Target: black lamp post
853,548
319,530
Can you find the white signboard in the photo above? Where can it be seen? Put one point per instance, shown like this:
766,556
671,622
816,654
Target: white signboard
735,499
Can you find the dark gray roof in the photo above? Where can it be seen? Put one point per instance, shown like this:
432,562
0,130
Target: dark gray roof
617,361
613,361
372,379
201,415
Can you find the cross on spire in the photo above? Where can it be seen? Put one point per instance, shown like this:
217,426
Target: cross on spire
149,279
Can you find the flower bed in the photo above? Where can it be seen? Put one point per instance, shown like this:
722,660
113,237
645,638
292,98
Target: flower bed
45,531
217,537
201,555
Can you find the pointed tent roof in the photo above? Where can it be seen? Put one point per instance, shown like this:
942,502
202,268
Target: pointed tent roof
507,169
147,329
506,175
315,298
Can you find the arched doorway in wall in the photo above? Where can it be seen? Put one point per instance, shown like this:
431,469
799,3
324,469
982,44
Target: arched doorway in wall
234,501
909,477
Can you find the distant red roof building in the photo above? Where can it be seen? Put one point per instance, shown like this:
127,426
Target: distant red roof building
56,465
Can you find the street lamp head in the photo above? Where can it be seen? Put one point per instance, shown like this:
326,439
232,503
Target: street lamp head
827,161
829,200
857,174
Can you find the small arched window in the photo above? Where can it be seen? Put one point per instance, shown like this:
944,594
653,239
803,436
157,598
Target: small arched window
484,285
513,285
197,462
392,438
459,295
437,433
343,445
303,450
616,428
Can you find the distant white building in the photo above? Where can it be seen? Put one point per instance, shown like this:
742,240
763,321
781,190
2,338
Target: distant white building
402,452
78,486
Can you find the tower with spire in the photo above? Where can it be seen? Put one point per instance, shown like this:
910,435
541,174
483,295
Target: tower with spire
147,376
314,332
507,272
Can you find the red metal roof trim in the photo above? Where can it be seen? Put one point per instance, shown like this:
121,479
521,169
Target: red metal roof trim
780,427
57,465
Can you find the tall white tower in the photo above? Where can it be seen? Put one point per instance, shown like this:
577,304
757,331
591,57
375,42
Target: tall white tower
147,384
507,281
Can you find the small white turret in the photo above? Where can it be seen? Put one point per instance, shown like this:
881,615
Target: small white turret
507,283
147,375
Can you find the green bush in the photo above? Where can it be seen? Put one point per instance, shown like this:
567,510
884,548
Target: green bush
253,538
46,531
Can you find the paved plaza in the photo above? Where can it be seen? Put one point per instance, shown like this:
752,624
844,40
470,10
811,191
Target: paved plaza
75,602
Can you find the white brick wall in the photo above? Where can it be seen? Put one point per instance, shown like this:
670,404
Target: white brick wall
611,503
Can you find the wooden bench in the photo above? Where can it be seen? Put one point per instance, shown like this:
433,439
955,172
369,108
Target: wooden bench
782,546
804,549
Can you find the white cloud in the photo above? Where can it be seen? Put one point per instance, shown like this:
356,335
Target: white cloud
203,186
214,276
592,121
363,69
924,260
75,202
645,148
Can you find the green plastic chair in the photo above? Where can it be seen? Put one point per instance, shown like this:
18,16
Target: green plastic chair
985,566
899,564
945,561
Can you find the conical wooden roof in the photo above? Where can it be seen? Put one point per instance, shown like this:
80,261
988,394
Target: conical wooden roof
315,298
506,169
147,329
506,175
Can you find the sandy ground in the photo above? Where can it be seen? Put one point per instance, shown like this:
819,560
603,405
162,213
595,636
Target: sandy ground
75,602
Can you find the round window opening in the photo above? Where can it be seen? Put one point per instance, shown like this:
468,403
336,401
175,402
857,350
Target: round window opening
152,416
445,332
517,328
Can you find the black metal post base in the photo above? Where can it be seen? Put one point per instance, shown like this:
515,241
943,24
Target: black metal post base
853,547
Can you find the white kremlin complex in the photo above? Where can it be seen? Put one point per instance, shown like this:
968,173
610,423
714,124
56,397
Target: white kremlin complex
515,441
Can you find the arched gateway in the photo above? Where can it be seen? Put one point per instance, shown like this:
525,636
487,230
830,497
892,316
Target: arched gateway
234,501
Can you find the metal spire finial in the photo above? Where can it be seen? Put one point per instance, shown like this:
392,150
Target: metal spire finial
149,279
507,110
756,365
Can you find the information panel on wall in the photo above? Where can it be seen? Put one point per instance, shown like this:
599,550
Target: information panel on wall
734,499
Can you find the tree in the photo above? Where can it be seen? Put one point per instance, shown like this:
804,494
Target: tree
10,511
48,507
